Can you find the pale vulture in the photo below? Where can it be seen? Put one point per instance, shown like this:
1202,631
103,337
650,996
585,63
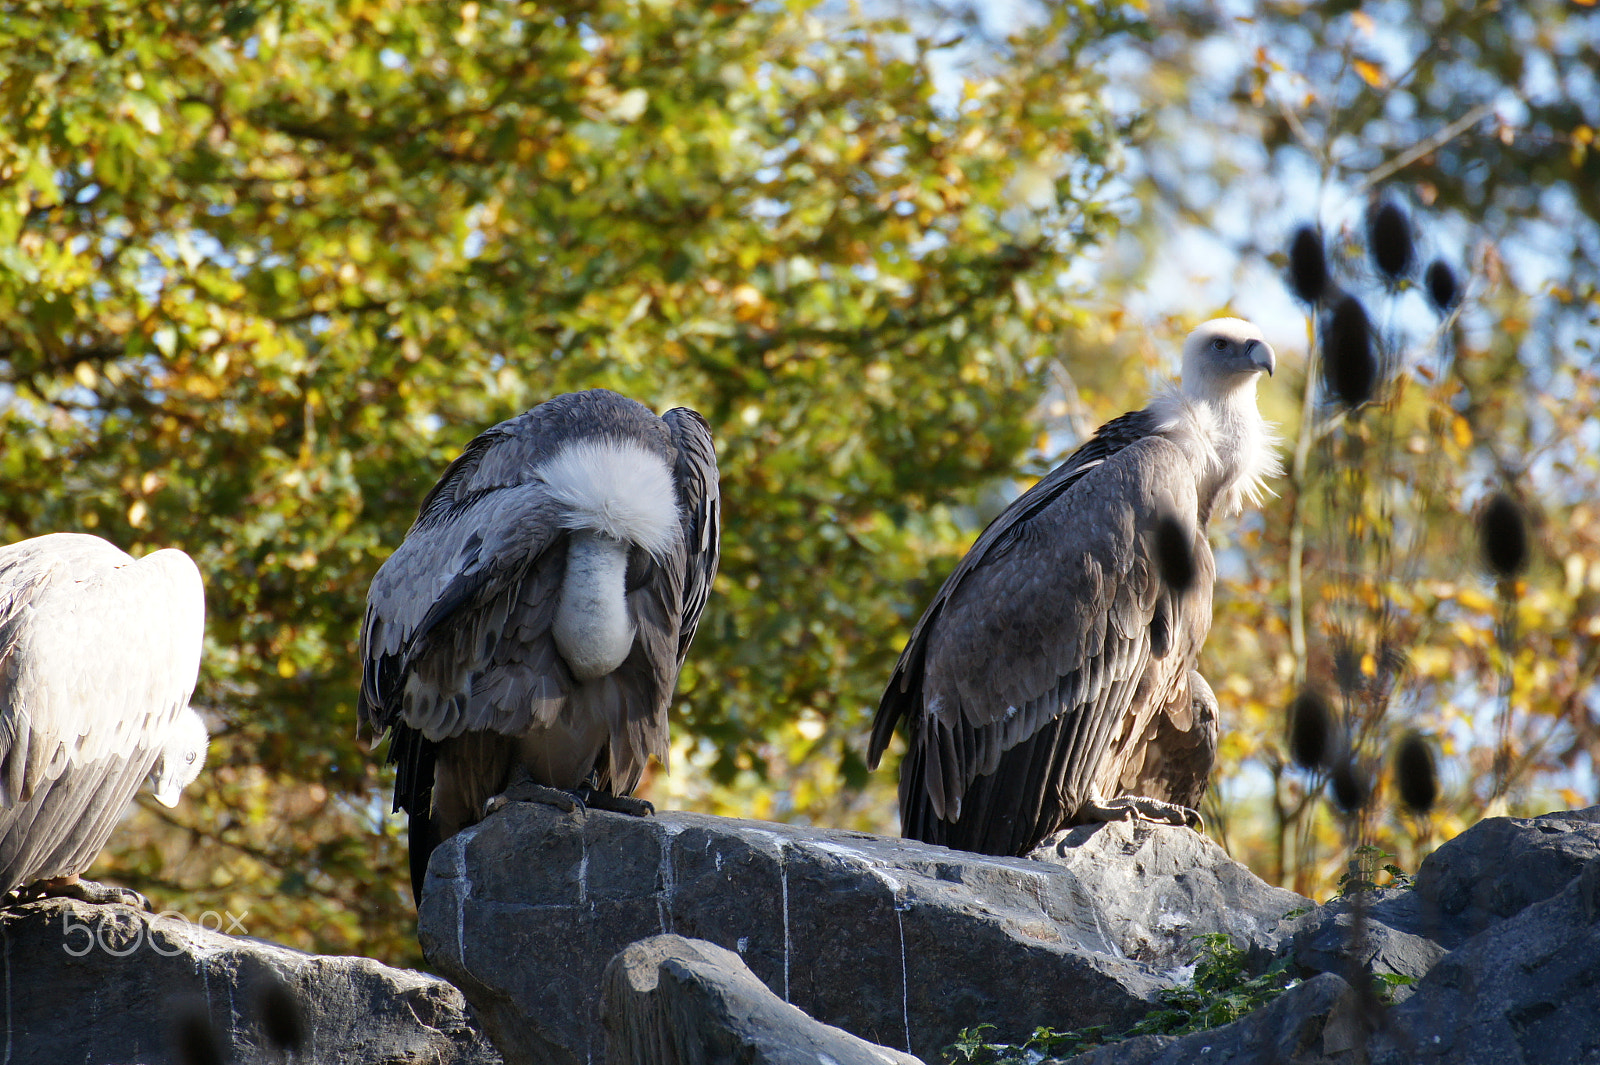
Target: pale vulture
98,657
528,633
1052,681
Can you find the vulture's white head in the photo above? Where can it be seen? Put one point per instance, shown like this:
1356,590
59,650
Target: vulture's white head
1213,413
1224,356
182,757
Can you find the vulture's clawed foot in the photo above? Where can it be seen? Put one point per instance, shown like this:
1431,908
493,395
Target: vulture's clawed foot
528,791
1138,807
622,804
71,887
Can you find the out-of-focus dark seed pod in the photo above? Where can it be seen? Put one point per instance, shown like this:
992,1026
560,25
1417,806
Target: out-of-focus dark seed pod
1308,264
281,1020
1174,553
1310,731
1349,364
1415,777
1443,289
1392,660
194,1038
1351,786
1503,535
1347,668
1389,239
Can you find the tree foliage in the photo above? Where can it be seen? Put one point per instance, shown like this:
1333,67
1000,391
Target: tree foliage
266,267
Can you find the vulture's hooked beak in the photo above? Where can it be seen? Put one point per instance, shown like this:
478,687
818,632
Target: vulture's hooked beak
1261,355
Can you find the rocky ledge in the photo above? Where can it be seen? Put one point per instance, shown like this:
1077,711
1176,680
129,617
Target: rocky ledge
678,939
900,943
762,936
115,984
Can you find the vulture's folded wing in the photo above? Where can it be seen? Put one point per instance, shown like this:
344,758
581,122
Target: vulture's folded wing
99,654
1051,636
700,500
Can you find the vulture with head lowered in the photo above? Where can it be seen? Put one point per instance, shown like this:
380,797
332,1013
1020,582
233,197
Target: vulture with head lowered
1052,680
99,653
528,633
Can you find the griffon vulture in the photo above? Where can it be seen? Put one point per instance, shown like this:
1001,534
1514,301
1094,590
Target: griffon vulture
98,657
528,633
1052,680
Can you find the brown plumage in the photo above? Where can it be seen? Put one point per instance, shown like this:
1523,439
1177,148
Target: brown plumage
532,625
1052,680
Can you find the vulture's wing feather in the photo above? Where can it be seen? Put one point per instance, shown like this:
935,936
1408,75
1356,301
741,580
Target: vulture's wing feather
700,499
902,699
439,610
1171,758
1030,670
99,654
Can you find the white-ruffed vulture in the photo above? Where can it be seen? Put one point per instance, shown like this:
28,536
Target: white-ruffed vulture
99,654
528,633
1052,680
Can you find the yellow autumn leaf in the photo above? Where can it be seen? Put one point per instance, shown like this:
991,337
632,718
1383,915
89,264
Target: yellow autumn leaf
1371,73
1461,430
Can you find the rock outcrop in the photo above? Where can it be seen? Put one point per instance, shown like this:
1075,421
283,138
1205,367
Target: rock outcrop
1317,1021
1485,876
109,984
677,939
1524,990
1501,932
676,1001
897,942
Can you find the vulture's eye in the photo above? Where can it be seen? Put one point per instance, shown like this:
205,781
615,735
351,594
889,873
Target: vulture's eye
1218,344
189,757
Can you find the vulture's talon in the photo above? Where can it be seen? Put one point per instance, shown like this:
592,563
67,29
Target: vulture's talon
528,791
1142,808
90,891
621,804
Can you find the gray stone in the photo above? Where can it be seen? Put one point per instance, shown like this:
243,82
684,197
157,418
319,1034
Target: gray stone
1520,991
898,942
104,983
675,1001
1159,886
1500,866
1489,873
1368,933
1316,1023
1523,991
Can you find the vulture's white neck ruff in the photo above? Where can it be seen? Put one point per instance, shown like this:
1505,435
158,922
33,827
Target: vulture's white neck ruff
1234,449
617,488
615,494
